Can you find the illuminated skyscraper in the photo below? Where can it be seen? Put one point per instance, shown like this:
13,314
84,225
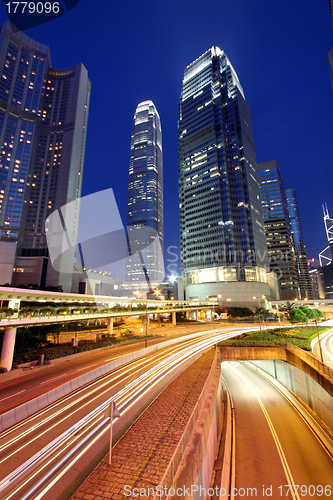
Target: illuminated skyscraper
145,196
223,245
278,230
326,256
299,245
43,127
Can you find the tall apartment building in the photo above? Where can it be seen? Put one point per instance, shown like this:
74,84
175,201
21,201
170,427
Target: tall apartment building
43,127
145,199
223,245
278,229
299,245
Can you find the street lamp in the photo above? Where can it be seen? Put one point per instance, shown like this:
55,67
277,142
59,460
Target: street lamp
207,297
320,349
137,293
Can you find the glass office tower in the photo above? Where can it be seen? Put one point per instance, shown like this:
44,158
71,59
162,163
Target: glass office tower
300,251
222,230
43,127
278,230
145,198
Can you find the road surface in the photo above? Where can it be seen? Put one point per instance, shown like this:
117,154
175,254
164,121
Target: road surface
133,387
274,445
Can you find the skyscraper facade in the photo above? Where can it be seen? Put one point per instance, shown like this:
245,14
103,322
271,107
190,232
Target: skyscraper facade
278,230
326,255
223,246
299,245
43,127
145,197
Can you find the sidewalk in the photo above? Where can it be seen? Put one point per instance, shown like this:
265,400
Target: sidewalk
141,456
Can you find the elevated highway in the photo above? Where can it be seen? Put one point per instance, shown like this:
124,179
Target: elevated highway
323,305
15,296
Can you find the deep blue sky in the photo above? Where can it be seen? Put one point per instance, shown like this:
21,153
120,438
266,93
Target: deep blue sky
138,50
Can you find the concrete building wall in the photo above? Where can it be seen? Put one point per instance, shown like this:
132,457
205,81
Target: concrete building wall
240,293
30,270
7,258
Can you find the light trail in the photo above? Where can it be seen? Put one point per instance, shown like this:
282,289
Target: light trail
283,459
125,398
12,395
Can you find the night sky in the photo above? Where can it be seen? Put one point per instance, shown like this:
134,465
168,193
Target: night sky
136,51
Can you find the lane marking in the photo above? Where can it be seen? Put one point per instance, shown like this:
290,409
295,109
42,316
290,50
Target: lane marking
12,395
278,445
116,357
51,379
298,412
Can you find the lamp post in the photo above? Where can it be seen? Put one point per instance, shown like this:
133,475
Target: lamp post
320,349
207,297
146,318
260,315
146,322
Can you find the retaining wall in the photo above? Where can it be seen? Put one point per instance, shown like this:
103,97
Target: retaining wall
199,459
303,385
302,373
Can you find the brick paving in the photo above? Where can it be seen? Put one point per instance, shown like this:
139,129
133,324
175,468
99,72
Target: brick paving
140,457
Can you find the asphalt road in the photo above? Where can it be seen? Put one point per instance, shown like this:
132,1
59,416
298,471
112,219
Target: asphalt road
274,445
37,381
326,341
133,387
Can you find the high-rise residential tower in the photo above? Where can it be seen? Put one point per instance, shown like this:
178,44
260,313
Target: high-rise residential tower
223,245
43,127
299,245
278,230
145,198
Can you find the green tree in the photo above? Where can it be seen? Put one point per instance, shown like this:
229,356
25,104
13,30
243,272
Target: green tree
238,312
6,312
297,316
34,337
287,306
261,312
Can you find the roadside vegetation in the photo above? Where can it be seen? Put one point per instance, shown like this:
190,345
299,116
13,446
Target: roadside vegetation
53,351
298,335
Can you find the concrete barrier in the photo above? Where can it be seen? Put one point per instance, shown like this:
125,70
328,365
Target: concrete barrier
299,371
303,386
198,462
323,434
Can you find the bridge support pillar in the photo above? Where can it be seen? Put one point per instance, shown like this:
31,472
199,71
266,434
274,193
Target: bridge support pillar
173,318
197,315
110,326
7,352
187,313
